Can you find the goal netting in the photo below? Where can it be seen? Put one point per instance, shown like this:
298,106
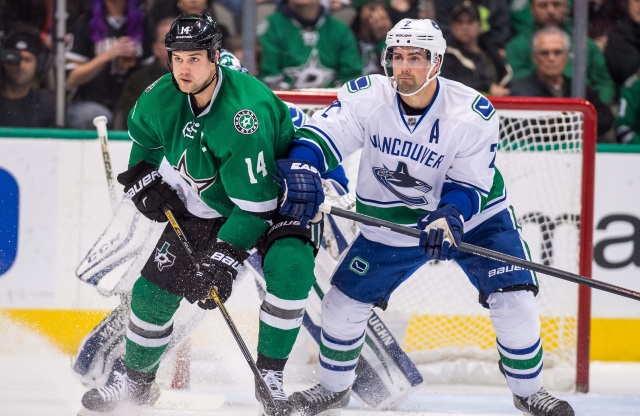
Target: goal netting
546,155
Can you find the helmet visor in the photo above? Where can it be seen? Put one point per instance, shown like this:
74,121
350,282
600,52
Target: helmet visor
398,58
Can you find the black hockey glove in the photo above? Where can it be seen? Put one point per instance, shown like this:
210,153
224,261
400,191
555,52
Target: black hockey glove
442,232
302,188
220,267
144,185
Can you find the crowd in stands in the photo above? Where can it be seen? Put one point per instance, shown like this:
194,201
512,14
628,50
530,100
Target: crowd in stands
115,48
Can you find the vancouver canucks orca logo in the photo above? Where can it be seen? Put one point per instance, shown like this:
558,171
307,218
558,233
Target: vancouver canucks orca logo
163,257
198,185
400,178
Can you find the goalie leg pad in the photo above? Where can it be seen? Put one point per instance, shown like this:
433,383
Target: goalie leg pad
343,334
101,347
517,324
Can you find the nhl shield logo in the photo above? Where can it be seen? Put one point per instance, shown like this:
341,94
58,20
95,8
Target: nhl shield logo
245,121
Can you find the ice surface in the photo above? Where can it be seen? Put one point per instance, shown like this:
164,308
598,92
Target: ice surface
36,380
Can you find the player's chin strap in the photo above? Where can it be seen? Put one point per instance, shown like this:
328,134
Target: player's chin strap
175,83
430,77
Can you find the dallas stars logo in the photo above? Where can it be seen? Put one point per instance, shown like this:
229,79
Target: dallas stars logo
245,121
163,257
198,185
312,74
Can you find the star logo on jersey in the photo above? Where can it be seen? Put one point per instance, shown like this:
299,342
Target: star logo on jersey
310,75
163,258
198,185
400,178
245,121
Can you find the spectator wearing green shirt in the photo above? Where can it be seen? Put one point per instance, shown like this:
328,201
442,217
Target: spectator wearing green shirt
554,13
628,120
303,47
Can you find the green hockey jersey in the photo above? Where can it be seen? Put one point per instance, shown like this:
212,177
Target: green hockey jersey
294,57
220,162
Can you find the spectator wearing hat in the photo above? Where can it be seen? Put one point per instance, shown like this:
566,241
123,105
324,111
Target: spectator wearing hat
495,19
22,102
469,59
370,26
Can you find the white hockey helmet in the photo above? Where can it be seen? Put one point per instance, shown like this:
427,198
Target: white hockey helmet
416,33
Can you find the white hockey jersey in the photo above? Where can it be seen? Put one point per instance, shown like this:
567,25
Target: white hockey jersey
406,160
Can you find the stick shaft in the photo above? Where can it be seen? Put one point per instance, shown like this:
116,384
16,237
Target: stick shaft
484,252
225,314
101,127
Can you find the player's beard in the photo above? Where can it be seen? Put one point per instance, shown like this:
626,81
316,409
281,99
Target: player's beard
406,86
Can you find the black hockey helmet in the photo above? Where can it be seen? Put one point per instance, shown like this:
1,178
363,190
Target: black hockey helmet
193,32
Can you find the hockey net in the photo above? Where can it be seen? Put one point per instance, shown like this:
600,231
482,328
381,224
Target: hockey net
546,155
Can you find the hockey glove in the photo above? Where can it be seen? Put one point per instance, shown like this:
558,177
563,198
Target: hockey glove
220,267
442,232
144,185
302,188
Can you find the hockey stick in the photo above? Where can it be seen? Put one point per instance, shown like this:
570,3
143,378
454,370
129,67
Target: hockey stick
101,127
483,252
385,373
223,309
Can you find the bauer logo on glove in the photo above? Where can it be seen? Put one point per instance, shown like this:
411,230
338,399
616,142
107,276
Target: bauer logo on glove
142,183
228,260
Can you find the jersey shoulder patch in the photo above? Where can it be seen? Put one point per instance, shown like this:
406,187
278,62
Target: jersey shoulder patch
483,106
358,84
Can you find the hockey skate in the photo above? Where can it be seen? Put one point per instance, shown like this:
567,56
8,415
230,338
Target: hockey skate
123,388
317,400
542,404
279,406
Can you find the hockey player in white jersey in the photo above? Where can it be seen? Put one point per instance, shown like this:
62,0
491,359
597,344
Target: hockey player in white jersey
428,161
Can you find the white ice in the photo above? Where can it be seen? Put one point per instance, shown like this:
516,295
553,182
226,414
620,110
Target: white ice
36,380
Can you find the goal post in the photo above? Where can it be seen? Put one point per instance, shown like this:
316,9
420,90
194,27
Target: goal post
547,156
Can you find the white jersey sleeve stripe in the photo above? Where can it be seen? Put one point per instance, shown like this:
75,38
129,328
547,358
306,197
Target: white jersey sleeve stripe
251,206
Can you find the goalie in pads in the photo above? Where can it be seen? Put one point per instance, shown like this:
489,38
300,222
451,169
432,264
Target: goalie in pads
428,161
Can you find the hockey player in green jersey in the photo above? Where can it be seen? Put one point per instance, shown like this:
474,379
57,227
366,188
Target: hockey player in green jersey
205,141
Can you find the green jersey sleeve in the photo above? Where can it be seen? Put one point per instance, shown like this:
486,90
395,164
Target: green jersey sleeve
146,143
